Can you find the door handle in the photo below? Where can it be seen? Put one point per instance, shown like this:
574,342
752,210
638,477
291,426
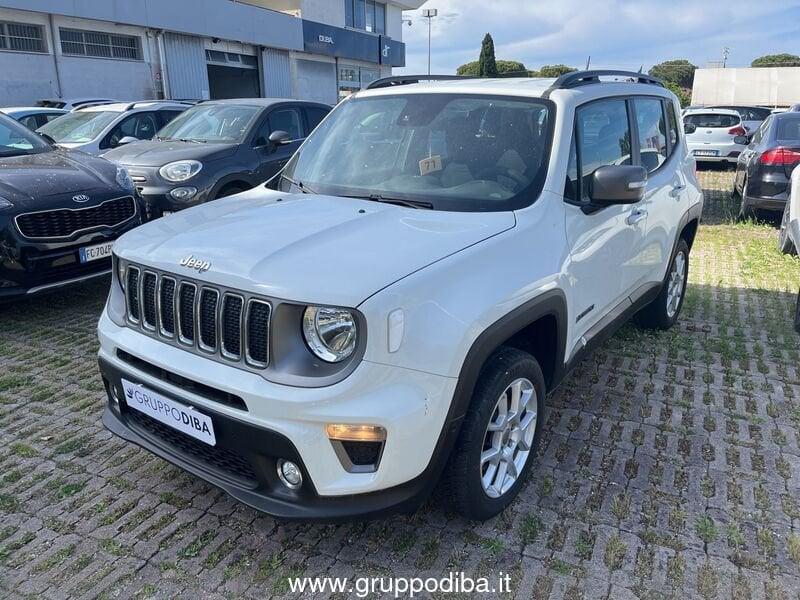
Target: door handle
636,216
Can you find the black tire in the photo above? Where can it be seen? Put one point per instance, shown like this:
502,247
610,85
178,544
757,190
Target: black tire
745,211
657,315
785,243
797,314
464,477
230,190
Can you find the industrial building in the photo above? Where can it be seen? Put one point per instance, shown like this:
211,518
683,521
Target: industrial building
196,49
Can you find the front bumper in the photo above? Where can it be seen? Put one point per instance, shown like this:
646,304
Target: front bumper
155,192
289,423
29,267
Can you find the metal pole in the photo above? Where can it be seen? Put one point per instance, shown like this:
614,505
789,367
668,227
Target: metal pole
429,46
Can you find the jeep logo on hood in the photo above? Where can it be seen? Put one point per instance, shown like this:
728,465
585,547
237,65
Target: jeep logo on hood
190,262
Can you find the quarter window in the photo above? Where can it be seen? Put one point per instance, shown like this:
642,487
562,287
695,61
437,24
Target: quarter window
652,132
672,125
98,44
604,137
22,37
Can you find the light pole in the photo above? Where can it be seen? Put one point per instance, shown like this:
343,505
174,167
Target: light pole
429,13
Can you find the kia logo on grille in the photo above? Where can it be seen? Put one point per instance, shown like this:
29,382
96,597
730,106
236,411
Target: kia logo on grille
199,265
80,198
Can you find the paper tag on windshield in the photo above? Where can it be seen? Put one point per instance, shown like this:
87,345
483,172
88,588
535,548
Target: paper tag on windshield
430,165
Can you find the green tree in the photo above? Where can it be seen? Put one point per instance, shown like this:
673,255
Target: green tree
505,68
777,60
555,70
680,72
487,65
685,96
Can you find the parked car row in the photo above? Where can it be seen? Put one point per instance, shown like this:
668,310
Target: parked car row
62,206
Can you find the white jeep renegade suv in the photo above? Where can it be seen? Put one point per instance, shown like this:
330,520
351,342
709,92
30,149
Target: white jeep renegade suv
396,305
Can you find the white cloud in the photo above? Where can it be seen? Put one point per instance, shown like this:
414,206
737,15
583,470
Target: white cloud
616,33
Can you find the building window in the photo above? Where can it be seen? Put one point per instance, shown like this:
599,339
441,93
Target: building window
22,37
353,79
98,44
365,14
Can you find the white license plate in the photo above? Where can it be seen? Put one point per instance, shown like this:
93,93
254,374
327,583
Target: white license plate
170,413
96,252
166,213
706,152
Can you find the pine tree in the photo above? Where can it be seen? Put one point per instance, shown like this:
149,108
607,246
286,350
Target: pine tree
487,65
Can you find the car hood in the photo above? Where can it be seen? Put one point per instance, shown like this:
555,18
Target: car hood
155,153
306,248
28,180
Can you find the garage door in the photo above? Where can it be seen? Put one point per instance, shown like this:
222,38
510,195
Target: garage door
187,74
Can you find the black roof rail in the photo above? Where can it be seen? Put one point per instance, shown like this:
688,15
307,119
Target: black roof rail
578,78
409,79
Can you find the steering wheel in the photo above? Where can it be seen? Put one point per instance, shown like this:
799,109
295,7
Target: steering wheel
493,172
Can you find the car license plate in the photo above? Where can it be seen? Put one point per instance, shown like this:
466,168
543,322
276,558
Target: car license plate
173,414
96,252
706,152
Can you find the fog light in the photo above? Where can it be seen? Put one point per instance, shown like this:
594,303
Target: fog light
183,193
289,474
355,433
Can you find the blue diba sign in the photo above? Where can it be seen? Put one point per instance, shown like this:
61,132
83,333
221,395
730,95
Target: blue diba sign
346,43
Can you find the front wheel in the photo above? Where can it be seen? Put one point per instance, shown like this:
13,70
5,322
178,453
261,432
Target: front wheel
662,313
498,440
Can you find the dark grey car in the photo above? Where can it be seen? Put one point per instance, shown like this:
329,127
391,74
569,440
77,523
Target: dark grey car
765,165
216,149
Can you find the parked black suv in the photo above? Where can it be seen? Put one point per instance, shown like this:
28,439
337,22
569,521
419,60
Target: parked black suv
216,149
60,212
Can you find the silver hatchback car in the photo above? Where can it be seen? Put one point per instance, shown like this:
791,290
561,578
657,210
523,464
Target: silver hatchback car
715,134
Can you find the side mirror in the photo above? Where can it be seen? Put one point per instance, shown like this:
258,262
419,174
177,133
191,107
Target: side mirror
279,138
689,128
618,184
128,139
742,140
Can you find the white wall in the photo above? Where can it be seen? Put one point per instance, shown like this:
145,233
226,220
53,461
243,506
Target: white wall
314,79
774,86
330,12
26,76
394,22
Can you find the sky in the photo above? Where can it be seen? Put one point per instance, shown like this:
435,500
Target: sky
615,33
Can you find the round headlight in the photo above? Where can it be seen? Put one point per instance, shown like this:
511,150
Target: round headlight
330,332
124,179
180,170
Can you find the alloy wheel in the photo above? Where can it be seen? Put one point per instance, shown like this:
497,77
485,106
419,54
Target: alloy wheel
508,438
676,284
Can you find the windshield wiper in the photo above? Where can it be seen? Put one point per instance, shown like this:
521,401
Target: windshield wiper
397,201
303,188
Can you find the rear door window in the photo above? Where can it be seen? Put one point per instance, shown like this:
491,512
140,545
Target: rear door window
712,120
652,132
604,137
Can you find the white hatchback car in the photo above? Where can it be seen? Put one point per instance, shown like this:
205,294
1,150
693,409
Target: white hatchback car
714,134
96,129
397,304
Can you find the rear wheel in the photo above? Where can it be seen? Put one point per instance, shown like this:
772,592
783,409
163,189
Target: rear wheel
662,313
498,439
785,243
745,212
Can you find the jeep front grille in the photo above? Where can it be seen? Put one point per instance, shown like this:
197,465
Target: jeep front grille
228,325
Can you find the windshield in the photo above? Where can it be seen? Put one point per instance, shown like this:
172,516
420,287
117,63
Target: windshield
78,127
16,140
211,123
454,152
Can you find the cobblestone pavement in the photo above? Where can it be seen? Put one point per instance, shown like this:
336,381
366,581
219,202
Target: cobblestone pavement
670,466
